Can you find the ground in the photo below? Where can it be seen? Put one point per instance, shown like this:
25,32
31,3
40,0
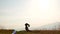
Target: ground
40,32
31,32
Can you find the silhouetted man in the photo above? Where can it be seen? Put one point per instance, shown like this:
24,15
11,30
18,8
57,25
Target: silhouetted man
26,26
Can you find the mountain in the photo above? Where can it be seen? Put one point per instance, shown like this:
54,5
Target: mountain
54,26
1,27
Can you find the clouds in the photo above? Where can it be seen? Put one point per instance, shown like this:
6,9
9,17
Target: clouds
11,7
13,12
14,3
35,12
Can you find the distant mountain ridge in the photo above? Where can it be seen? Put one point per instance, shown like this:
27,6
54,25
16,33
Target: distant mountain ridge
54,26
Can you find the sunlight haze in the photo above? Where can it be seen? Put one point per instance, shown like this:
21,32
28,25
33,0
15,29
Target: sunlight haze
15,13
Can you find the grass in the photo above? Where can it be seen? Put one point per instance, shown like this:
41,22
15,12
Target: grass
5,31
40,32
31,32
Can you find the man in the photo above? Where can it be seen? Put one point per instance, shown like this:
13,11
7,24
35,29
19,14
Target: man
26,26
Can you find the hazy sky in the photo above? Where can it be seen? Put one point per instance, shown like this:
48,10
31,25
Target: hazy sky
15,13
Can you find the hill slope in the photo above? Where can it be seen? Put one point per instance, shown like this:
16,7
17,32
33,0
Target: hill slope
54,26
40,32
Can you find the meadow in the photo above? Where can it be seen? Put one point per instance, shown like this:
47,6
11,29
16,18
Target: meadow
31,32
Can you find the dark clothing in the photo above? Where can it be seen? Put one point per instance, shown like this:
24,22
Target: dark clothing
26,26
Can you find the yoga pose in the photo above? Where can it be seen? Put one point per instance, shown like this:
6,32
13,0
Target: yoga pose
26,26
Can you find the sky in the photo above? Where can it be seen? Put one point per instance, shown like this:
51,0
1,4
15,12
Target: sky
15,13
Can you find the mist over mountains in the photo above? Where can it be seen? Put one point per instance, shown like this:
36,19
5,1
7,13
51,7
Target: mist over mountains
53,26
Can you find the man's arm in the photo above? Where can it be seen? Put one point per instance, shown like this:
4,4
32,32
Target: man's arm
28,25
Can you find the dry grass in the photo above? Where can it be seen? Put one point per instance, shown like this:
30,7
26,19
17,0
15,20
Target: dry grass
40,32
31,32
6,31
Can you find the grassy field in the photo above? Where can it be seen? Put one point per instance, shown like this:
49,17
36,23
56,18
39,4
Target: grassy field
5,31
31,32
40,32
